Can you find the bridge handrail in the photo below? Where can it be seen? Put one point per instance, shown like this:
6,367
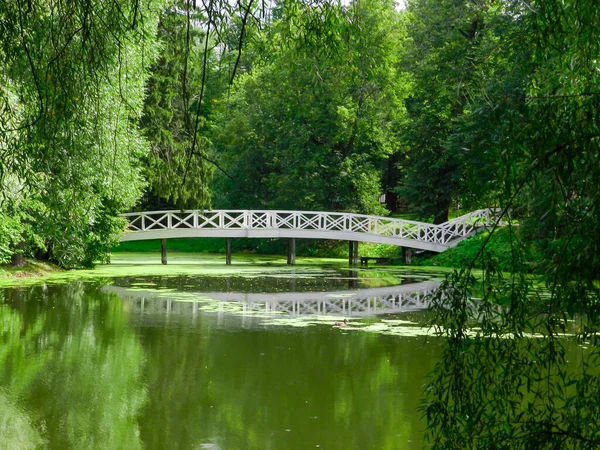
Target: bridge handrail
310,220
466,224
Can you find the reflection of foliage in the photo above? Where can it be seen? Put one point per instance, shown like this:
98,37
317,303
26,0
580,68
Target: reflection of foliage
98,385
75,364
18,371
244,389
16,429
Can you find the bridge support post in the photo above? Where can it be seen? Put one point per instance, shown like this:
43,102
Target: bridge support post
352,253
291,251
163,251
407,253
228,251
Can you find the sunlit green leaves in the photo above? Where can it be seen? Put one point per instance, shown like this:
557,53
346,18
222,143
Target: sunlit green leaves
313,125
505,380
74,84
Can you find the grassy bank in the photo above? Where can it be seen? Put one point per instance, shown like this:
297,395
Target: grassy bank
504,249
310,248
32,268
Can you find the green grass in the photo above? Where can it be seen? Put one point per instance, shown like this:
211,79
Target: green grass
406,216
304,247
505,250
32,268
193,245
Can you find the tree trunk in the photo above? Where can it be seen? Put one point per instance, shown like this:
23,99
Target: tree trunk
441,209
17,259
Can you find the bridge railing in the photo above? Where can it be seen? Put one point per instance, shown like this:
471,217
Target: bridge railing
468,223
310,220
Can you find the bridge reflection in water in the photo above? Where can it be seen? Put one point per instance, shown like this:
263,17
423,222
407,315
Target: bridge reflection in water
356,303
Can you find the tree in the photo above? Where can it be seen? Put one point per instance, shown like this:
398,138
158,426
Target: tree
175,172
314,123
200,57
508,383
74,76
469,73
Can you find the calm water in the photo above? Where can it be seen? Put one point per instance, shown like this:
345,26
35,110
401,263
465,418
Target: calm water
152,363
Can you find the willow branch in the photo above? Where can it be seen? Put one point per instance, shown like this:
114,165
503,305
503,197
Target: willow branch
241,40
33,73
214,163
199,104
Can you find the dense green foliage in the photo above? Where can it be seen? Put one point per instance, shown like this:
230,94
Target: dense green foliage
487,248
489,391
313,124
319,105
469,66
72,88
169,120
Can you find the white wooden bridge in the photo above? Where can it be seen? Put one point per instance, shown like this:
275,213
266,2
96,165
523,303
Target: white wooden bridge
305,224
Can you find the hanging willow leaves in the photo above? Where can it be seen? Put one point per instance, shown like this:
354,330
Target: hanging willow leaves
74,75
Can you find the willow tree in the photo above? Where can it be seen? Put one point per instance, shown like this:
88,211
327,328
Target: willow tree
73,76
519,368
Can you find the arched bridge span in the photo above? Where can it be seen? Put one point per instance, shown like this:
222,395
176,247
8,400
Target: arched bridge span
304,224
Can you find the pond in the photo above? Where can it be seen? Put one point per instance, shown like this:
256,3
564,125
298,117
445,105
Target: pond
247,358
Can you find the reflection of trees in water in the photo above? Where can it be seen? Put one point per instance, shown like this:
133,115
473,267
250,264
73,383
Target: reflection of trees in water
294,280
527,377
257,388
73,369
17,428
74,364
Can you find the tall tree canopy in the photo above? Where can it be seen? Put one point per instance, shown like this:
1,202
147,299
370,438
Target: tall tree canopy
509,383
73,76
172,111
469,68
314,122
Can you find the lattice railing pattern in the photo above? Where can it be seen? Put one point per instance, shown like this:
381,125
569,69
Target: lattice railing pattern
309,220
344,303
368,305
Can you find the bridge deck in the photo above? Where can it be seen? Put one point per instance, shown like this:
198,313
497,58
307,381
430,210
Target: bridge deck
304,224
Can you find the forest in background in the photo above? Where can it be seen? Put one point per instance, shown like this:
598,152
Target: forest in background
322,104
294,104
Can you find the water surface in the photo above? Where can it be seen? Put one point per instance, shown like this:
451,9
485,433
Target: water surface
85,365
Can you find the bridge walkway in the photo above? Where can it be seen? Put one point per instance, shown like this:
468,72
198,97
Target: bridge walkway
349,227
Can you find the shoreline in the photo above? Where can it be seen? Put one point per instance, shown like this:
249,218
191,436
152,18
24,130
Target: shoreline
183,264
